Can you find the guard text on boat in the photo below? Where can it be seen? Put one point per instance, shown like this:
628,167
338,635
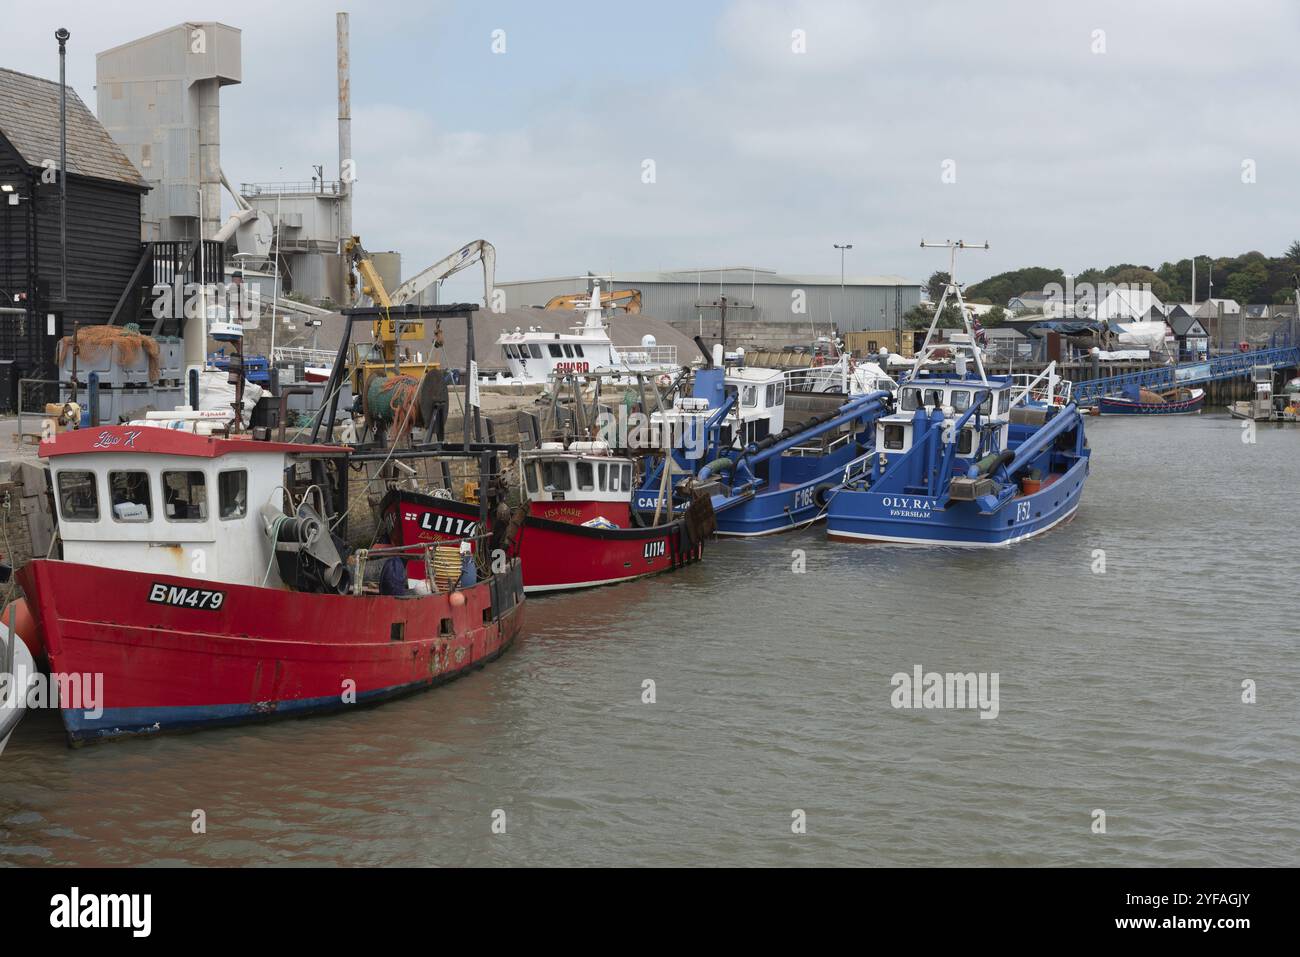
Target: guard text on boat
183,597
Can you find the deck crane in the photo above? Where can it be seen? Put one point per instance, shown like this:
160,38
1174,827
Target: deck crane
376,364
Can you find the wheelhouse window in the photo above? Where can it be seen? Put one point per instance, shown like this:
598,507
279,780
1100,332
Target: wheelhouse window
78,497
586,477
966,441
613,478
894,437
960,400
555,476
129,494
627,478
185,496
933,397
1004,401
232,494
748,396
555,350
909,400
986,407
530,476
535,349
603,472
577,350
568,351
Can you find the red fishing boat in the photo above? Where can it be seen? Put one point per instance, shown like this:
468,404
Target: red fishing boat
203,582
576,528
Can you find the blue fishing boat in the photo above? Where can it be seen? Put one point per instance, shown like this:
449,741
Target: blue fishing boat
968,459
733,444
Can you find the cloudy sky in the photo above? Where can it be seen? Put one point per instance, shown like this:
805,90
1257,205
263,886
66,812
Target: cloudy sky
1079,134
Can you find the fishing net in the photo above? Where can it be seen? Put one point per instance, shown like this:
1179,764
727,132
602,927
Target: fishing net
394,399
127,343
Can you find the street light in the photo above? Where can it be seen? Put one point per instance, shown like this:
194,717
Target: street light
842,248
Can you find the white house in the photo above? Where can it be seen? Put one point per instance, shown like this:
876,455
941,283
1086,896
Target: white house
1230,306
1130,303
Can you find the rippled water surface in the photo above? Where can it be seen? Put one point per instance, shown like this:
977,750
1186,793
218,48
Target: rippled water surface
1118,691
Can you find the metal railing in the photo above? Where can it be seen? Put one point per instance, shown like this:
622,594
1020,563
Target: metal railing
651,357
1226,366
1046,387
324,357
816,448
326,188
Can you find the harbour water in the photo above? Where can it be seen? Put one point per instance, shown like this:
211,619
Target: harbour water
1119,690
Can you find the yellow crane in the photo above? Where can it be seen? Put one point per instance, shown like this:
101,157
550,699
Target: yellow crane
383,356
630,300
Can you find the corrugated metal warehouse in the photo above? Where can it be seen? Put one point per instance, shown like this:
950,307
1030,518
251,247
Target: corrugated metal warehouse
684,297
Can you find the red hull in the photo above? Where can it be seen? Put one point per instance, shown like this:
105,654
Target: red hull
556,555
261,652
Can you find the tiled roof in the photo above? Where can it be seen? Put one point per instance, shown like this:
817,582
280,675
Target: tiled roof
29,120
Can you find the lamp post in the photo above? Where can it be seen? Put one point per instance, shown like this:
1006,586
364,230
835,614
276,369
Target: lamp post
843,248
62,35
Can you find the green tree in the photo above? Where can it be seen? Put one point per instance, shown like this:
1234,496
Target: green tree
1244,284
919,317
994,317
1293,251
936,284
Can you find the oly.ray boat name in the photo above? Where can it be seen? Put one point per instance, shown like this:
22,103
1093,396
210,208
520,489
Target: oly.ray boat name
906,506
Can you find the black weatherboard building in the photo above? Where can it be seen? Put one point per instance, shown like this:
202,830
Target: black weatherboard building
103,226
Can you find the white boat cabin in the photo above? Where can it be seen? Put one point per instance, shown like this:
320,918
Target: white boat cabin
537,356
894,432
760,403
582,483
156,499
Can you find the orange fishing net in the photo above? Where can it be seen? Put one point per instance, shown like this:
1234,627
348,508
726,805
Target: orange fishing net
94,341
402,391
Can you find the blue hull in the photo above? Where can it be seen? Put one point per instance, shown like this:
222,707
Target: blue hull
776,510
1113,406
854,515
121,722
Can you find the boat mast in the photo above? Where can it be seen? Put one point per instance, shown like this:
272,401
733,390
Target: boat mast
954,289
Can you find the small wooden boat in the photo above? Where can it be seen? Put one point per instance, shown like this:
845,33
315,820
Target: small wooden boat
1175,402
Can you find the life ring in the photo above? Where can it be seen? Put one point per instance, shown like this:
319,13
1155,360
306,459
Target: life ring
665,380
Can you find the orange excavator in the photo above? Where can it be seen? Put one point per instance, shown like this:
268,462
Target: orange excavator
629,300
